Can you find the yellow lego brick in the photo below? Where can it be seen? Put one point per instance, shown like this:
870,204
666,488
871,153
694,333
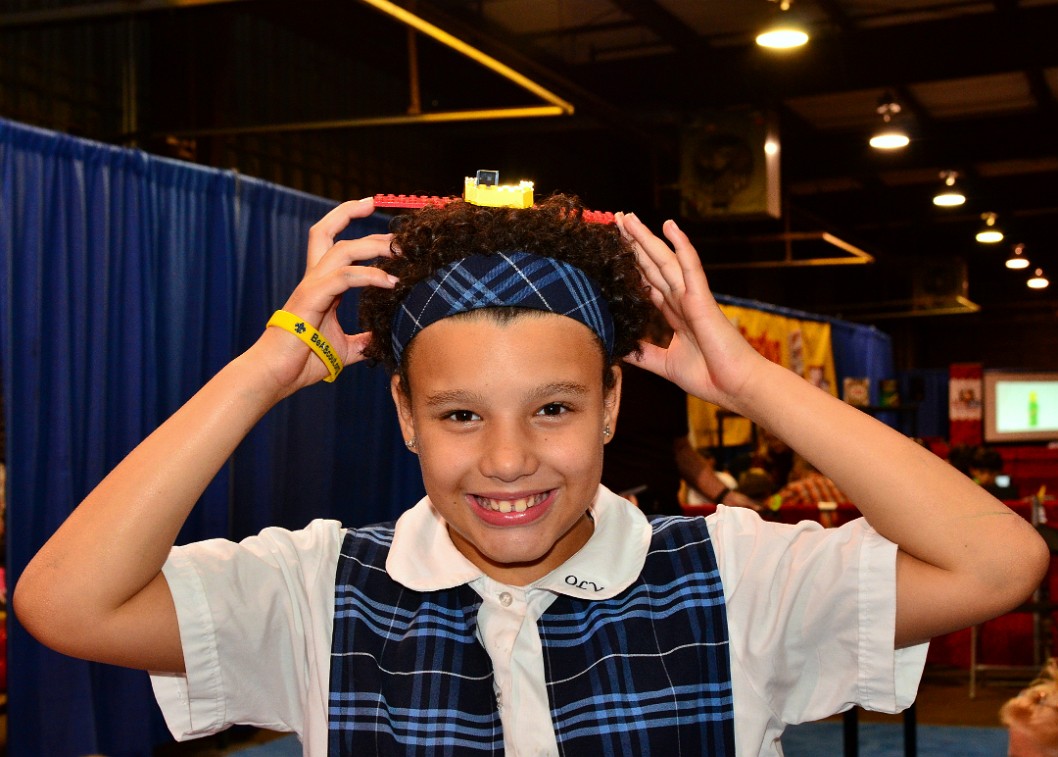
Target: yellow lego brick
518,195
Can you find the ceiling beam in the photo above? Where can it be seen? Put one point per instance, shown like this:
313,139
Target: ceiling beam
504,47
669,27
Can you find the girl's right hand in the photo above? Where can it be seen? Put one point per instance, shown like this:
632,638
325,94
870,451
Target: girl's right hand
331,271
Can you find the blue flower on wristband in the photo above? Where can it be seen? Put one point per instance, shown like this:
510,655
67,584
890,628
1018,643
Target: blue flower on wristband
300,328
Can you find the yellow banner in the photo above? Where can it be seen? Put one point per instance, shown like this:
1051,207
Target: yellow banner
800,345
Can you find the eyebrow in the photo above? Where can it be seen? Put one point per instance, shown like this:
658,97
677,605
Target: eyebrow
537,393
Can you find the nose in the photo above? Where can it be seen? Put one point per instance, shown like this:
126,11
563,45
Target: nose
508,451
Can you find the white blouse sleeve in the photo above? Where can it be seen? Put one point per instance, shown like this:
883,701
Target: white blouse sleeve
255,624
811,617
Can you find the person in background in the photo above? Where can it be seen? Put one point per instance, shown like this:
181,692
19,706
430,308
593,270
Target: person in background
808,486
960,456
1031,717
985,467
773,456
756,483
651,452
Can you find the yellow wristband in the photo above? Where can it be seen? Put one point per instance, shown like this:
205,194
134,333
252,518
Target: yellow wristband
310,336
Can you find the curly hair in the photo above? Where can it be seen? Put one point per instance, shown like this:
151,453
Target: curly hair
431,238
1035,709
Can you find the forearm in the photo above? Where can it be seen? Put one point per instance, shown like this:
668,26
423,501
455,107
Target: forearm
908,494
114,544
695,469
964,556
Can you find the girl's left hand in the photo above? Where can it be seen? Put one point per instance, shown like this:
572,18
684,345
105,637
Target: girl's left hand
707,356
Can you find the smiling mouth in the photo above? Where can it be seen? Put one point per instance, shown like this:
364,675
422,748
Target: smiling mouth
515,505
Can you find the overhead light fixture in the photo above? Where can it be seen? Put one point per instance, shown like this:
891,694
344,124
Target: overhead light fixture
1017,259
890,136
949,195
1038,281
785,32
990,233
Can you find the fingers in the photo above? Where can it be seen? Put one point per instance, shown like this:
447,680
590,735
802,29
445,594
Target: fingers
321,292
651,357
672,271
349,251
692,275
332,268
659,265
323,232
338,282
355,346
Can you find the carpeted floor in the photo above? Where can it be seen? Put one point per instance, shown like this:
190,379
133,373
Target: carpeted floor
287,746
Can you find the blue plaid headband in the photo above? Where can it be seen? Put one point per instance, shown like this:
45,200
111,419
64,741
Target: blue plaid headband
506,279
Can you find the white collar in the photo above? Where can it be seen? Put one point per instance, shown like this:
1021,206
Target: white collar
423,557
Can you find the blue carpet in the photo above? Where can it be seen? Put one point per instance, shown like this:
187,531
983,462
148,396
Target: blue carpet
812,740
286,746
885,740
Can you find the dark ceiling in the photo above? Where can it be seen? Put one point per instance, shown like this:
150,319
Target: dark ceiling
976,82
650,82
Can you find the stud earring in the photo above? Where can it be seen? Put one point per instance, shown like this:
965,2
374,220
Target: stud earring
606,431
410,444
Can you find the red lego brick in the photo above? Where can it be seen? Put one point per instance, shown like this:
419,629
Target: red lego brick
410,201
421,201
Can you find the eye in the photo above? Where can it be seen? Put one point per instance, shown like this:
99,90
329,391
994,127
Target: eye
461,416
553,408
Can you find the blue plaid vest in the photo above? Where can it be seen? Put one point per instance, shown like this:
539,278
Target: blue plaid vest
646,672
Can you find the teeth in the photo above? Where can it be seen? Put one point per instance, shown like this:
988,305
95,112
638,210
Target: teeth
519,505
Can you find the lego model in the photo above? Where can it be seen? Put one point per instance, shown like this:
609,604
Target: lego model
483,189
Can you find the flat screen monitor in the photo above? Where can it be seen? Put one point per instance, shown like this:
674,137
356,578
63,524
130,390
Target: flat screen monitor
1020,407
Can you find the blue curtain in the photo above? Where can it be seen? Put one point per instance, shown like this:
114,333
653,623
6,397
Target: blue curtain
127,281
928,388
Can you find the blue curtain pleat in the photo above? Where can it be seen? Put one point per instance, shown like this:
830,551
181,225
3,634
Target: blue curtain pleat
862,351
127,281
65,266
929,388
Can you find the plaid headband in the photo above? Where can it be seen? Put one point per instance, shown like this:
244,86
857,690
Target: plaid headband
506,279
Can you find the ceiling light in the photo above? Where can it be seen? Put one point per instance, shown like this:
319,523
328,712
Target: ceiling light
785,32
1017,259
949,195
991,233
889,136
1038,281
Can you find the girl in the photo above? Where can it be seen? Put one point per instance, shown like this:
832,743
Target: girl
521,607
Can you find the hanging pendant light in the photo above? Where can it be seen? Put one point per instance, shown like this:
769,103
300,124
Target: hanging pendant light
785,32
989,233
1017,259
949,195
890,135
1038,281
